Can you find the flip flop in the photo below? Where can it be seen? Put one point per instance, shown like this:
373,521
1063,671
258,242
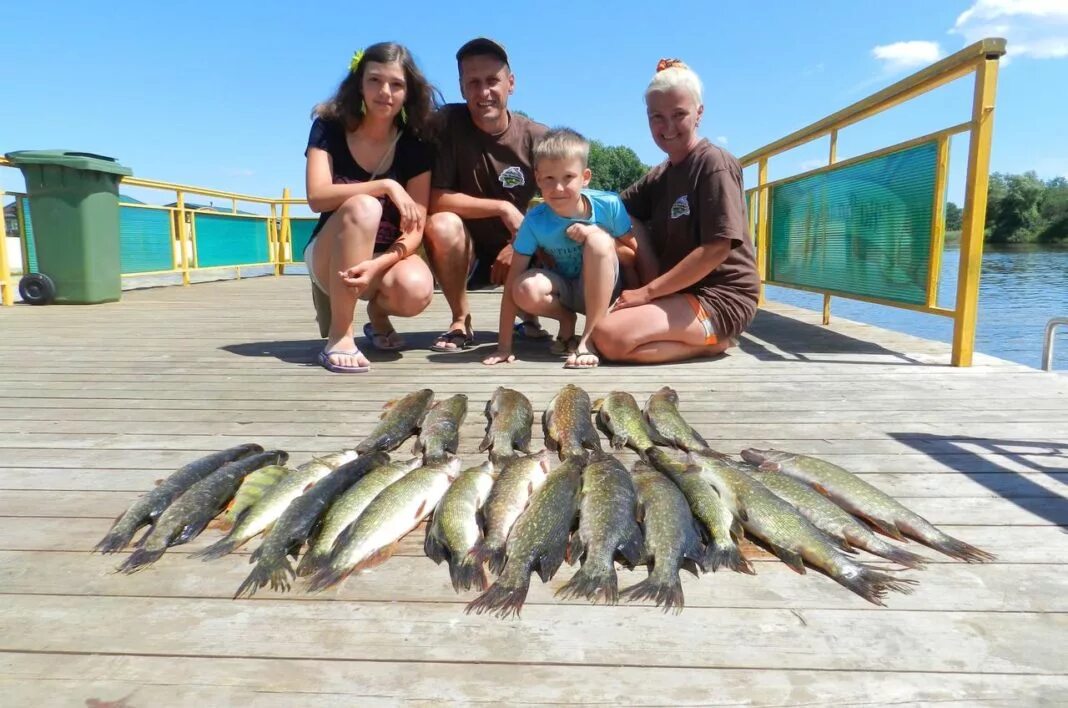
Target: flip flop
324,361
523,331
574,356
561,347
458,337
372,337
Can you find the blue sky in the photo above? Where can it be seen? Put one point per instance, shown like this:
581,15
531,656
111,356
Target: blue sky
218,94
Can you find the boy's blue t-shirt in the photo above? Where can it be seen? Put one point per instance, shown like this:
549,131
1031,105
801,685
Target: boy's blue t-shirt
544,228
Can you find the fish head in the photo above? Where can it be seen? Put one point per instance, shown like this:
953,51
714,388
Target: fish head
278,457
668,394
755,456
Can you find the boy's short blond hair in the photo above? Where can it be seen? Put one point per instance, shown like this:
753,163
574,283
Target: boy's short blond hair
562,144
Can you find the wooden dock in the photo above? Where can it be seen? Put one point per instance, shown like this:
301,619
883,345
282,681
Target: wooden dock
96,403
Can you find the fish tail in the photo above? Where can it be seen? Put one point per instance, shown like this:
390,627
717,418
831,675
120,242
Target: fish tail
276,573
893,553
326,577
467,572
872,584
434,549
501,600
725,555
952,547
666,592
117,538
492,555
312,562
140,558
218,549
591,580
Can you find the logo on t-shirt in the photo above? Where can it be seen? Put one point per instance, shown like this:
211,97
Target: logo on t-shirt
512,177
681,207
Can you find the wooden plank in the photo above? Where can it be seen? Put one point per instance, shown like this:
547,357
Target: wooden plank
412,578
40,679
560,634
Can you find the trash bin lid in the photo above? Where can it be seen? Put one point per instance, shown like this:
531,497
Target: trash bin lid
69,158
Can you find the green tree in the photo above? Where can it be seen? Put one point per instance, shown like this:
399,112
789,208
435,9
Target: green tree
1019,217
1054,211
614,167
954,217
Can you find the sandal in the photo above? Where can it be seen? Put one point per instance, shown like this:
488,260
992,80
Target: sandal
562,347
573,358
458,338
381,341
324,361
530,330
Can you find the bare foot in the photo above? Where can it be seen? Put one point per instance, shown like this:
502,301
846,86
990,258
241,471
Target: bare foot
339,352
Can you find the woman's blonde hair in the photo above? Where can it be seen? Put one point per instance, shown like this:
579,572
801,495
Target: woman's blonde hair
674,74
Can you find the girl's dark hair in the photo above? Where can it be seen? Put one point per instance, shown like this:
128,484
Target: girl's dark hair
421,101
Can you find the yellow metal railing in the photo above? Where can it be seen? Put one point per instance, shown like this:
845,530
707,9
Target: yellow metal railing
981,59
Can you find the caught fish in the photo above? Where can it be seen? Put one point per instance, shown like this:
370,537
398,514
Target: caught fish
510,420
622,421
516,484
608,513
662,412
397,510
400,421
568,427
440,433
196,507
296,523
671,539
347,508
790,535
148,508
454,534
833,520
538,540
724,531
258,518
252,489
861,499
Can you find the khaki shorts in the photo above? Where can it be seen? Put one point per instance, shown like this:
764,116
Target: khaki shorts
572,291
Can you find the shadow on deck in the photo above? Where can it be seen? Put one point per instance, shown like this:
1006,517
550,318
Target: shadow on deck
777,337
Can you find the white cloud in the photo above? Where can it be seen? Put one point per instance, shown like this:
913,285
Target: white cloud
721,139
1034,28
907,55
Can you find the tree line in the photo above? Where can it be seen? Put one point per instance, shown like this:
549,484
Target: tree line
1021,209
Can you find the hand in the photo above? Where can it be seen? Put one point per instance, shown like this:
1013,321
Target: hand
580,232
511,217
633,298
360,276
499,269
499,357
412,214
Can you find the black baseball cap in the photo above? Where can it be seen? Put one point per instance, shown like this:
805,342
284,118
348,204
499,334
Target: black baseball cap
482,45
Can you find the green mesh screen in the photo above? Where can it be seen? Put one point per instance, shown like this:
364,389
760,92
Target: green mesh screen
144,240
302,231
31,248
224,240
862,229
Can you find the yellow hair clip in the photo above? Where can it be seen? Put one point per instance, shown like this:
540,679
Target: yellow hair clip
357,57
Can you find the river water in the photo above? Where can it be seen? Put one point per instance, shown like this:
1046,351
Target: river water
1020,290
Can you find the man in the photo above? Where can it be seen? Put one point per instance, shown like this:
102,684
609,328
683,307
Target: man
482,183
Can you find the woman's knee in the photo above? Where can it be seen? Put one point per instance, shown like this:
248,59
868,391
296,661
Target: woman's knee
361,210
407,289
444,230
610,340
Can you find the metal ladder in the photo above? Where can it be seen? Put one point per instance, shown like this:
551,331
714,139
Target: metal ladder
1047,346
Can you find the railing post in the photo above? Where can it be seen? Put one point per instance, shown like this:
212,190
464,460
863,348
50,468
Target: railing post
274,238
762,226
832,157
938,222
7,295
184,255
974,223
285,233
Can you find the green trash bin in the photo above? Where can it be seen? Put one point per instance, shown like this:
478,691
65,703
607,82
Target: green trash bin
74,205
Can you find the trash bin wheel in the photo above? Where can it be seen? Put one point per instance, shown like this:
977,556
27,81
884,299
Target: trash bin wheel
37,289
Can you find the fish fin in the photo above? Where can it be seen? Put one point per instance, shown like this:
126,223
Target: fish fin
597,405
377,558
140,558
386,406
312,562
422,511
692,566
547,419
277,574
433,547
116,539
591,581
494,558
887,528
466,573
769,466
501,600
220,548
666,593
890,552
655,435
631,548
487,442
790,558
575,549
591,440
697,436
944,543
872,584
189,532
550,561
522,441
726,554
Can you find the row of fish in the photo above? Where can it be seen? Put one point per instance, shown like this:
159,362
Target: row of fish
515,515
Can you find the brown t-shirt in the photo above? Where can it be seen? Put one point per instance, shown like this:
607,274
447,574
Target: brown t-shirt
487,166
696,202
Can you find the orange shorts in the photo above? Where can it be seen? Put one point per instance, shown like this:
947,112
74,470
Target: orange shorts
702,317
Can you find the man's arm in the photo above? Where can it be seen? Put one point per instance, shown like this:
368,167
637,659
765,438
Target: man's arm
466,206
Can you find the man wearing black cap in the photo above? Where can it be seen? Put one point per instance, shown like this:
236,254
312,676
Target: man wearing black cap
482,182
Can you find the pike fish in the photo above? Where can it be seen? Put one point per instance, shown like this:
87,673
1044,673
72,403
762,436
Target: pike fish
510,418
347,508
834,521
149,507
440,433
267,510
516,483
671,539
568,427
608,513
454,534
790,535
861,499
662,412
622,420
538,540
400,421
724,530
296,523
397,510
196,507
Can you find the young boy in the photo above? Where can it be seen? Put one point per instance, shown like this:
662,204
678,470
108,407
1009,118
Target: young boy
577,229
